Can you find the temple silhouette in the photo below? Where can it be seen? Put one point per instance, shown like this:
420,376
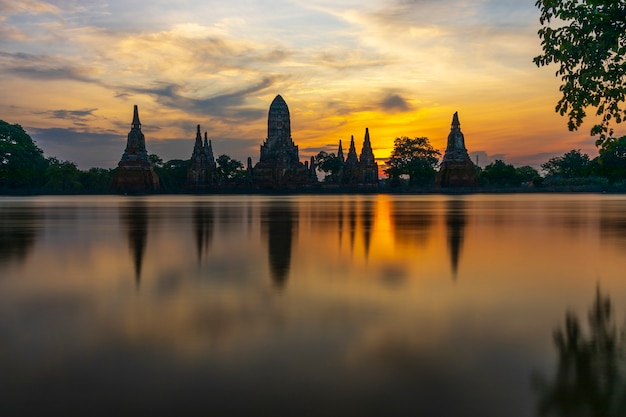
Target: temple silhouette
201,173
358,172
457,169
279,166
135,173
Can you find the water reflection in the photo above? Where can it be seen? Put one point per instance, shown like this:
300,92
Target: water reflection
19,227
367,219
203,224
455,222
134,218
278,222
590,378
411,223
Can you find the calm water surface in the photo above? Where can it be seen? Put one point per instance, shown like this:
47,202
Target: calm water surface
297,306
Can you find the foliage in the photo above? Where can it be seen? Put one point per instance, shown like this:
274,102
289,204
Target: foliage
611,163
22,163
229,170
500,173
587,39
96,180
156,160
62,176
527,173
172,174
413,157
573,164
330,164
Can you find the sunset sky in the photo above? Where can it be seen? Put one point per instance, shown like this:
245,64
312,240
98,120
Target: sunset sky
71,71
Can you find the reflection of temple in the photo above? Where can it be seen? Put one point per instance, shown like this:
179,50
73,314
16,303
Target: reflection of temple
457,169
359,172
411,223
18,231
279,165
278,222
201,170
134,217
455,222
203,222
135,172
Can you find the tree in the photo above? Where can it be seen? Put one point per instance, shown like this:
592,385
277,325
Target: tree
156,160
573,164
172,174
413,157
62,176
22,162
330,164
588,42
527,173
228,169
500,173
611,163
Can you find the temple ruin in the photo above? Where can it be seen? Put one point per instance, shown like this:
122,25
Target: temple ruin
135,173
279,165
457,169
201,172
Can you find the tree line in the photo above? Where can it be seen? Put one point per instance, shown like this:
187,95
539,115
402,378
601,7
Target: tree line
412,165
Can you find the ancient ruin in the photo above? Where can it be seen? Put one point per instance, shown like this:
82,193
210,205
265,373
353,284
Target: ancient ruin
279,165
360,172
457,169
201,172
135,173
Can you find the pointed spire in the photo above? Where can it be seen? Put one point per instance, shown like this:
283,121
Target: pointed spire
352,158
340,152
367,155
136,124
456,125
198,138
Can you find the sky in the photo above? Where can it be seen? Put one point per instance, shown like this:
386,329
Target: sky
71,71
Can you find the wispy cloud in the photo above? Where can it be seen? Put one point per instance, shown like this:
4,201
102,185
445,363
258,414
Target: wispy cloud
43,67
71,114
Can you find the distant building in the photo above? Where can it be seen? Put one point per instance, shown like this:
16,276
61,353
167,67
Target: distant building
360,172
279,165
135,173
201,172
457,169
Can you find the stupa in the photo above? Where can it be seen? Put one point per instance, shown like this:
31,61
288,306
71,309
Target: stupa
457,169
135,173
279,165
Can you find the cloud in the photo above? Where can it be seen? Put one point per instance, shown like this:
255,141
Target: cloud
27,6
395,102
71,114
43,67
227,105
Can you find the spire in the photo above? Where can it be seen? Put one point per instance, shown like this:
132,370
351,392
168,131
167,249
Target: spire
136,124
367,155
456,142
352,158
340,152
198,138
456,125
